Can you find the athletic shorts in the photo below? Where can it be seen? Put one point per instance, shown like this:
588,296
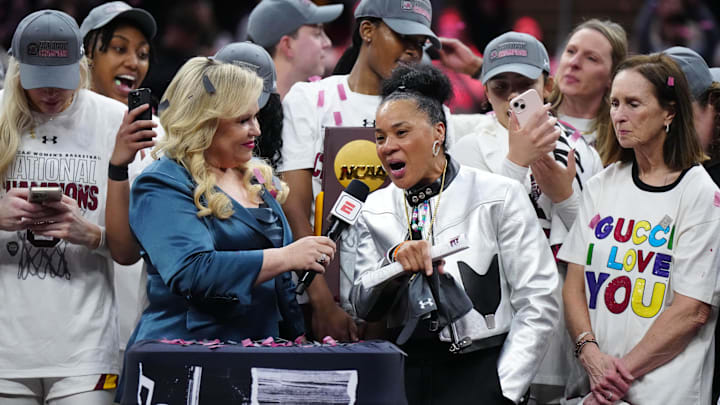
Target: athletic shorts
53,388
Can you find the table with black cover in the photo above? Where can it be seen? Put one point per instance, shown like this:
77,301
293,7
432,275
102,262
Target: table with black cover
226,371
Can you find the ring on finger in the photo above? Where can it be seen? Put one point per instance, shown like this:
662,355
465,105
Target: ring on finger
323,258
609,396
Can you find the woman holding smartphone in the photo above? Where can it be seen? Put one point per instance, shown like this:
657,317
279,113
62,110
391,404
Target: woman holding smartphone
118,41
547,157
58,343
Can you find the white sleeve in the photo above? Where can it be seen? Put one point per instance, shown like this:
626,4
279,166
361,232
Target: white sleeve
574,246
300,127
533,279
695,254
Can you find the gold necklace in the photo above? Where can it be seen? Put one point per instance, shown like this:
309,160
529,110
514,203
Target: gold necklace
437,206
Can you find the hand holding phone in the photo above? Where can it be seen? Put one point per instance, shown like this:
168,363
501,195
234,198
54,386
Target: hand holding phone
139,97
525,105
38,195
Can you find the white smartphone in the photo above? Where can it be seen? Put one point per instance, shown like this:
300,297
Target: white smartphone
525,105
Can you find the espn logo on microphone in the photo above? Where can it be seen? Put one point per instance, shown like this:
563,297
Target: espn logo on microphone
347,208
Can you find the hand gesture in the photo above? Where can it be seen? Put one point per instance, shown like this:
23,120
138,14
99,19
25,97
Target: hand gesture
310,253
64,220
554,179
16,213
132,136
414,256
536,139
459,57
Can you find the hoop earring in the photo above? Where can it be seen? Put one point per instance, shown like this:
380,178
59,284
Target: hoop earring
436,148
667,128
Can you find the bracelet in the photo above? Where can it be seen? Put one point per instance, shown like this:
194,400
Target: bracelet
582,335
117,173
394,253
579,345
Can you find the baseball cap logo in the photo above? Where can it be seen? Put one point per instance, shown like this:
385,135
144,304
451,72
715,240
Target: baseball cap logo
32,49
509,49
49,49
406,5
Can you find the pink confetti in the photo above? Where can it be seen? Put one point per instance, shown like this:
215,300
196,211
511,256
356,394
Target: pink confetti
341,92
321,98
314,78
338,118
328,340
268,341
717,199
247,343
300,339
258,175
576,135
671,81
594,221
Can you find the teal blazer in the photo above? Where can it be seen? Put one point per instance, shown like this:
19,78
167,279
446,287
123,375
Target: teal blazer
201,271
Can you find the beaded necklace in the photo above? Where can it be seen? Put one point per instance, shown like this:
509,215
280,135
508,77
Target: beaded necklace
420,213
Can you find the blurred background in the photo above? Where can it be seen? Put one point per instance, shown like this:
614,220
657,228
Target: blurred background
199,27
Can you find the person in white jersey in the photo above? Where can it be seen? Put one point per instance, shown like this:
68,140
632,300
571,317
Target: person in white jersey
59,340
642,287
118,39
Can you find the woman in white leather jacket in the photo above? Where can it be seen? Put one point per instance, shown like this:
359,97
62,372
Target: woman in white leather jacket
475,325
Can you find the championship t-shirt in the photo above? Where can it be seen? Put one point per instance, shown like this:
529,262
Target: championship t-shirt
58,313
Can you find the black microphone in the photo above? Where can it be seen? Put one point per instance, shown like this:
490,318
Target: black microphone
343,214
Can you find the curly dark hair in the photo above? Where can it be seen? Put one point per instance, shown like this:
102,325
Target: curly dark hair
424,84
270,141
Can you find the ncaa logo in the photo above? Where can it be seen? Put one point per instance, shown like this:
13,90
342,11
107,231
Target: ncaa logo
32,49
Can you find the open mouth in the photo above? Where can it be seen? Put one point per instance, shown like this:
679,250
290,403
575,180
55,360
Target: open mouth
397,168
125,82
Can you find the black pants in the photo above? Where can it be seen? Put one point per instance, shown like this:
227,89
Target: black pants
433,375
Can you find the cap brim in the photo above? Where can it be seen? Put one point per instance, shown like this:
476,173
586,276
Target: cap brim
263,99
61,77
406,27
324,14
528,71
144,19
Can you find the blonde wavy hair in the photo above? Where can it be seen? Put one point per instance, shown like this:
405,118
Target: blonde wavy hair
202,92
15,112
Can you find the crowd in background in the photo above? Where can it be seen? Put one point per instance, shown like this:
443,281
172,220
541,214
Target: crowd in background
620,162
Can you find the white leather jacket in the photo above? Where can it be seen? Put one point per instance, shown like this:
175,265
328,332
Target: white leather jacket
497,218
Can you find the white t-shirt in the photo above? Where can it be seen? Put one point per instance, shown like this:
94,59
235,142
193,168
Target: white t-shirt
640,245
58,311
582,125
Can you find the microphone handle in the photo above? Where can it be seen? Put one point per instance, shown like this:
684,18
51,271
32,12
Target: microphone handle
307,276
